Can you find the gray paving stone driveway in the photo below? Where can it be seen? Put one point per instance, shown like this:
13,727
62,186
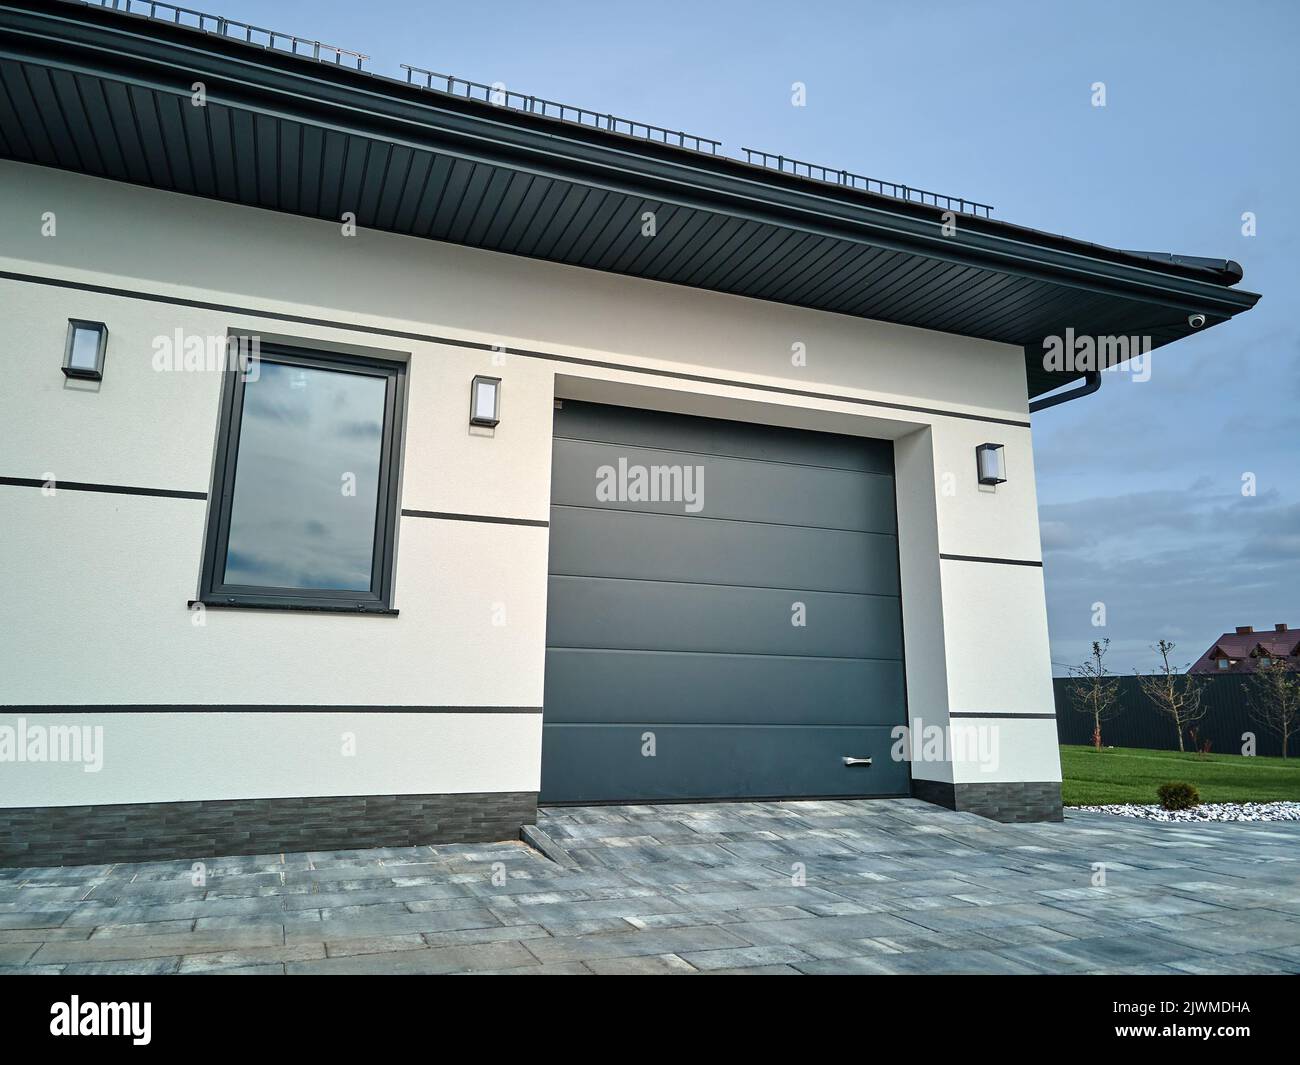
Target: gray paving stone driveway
879,886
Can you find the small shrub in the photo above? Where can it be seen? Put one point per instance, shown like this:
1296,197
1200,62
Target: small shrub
1178,796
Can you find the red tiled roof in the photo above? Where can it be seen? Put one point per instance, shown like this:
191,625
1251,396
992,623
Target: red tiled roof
1245,647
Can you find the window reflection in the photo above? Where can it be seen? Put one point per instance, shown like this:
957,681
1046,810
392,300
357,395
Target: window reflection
306,479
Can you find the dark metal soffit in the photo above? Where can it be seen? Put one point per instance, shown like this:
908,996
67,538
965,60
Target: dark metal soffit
93,90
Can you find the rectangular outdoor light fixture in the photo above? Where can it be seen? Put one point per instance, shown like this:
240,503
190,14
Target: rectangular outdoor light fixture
992,463
84,354
485,401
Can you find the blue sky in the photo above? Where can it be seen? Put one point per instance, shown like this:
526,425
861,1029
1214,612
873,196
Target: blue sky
1140,487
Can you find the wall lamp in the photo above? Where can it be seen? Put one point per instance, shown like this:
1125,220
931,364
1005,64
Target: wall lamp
991,461
84,354
485,401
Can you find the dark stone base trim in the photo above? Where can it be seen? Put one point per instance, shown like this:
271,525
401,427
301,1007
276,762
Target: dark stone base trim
164,831
1015,802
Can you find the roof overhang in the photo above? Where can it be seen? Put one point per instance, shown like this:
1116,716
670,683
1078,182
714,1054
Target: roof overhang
109,94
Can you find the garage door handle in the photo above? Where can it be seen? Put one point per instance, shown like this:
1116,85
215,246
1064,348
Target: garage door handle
856,761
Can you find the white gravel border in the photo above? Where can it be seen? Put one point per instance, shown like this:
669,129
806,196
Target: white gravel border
1208,811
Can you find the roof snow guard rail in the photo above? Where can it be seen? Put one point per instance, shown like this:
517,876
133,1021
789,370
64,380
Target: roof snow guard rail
847,179
500,96
239,31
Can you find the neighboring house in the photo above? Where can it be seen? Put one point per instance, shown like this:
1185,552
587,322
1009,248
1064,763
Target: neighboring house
1246,650
583,462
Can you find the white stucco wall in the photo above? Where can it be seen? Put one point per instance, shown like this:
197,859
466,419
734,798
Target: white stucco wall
97,584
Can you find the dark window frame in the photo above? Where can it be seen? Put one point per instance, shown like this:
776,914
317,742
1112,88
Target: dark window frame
214,591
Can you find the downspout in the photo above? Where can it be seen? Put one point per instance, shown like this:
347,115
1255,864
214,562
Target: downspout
1091,382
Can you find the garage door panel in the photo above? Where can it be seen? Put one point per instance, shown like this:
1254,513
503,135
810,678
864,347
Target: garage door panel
590,763
607,543
653,616
706,436
684,623
623,687
727,488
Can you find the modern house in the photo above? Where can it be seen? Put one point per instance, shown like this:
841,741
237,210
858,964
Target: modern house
381,455
1246,650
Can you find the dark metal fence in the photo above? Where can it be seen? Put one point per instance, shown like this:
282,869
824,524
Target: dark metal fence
1141,724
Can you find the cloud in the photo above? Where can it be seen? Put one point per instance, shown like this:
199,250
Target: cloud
1184,564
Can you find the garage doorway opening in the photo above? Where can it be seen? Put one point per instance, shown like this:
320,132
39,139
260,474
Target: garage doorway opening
724,617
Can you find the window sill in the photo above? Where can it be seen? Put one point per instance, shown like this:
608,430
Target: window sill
307,608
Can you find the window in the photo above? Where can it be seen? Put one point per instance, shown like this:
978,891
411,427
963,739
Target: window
304,503
1265,661
1223,663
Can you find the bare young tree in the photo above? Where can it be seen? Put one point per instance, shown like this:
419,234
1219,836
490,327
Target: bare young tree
1097,693
1179,696
1274,699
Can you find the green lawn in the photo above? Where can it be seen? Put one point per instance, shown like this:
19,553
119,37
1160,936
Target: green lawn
1127,774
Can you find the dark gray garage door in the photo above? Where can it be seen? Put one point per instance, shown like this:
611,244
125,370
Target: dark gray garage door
723,616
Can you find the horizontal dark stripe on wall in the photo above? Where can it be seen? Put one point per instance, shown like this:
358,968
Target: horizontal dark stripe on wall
113,489
160,831
995,561
174,708
399,334
170,493
1002,717
534,522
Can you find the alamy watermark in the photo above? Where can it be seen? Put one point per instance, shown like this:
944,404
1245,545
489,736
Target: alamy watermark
972,744
636,483
1073,353
26,742
182,352
77,1018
